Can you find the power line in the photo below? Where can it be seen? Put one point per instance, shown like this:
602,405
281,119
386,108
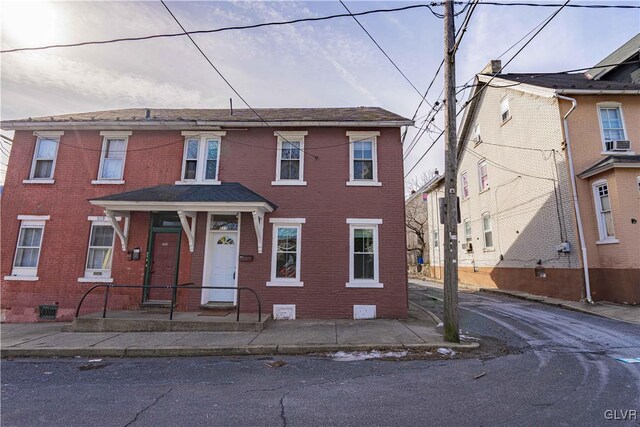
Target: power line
225,79
576,6
222,29
385,54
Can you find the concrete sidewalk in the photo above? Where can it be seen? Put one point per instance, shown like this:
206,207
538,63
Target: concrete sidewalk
621,312
279,337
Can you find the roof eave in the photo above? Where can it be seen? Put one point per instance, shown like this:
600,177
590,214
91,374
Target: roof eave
195,124
598,91
123,205
605,167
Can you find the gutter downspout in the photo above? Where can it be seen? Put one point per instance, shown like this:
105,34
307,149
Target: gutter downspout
576,206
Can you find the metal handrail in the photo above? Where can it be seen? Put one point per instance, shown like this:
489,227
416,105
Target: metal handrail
174,295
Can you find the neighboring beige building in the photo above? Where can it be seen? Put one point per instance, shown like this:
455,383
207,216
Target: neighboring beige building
520,228
417,227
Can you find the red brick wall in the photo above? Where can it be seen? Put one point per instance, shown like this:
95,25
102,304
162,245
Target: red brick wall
248,157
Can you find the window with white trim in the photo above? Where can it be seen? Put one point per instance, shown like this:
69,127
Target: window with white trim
467,230
290,158
28,248
465,185
201,158
100,252
364,255
285,259
612,126
114,150
483,175
44,158
487,231
603,211
436,238
363,158
477,138
505,114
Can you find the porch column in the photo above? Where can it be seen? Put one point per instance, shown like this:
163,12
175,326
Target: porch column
190,230
122,234
258,223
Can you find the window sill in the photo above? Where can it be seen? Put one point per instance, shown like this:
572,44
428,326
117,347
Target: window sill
38,181
275,283
285,183
618,153
607,242
95,280
107,182
484,191
364,285
364,184
194,182
488,250
22,278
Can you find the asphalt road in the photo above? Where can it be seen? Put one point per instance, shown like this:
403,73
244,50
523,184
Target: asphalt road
539,365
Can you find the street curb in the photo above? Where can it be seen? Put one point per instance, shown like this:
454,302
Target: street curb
251,350
543,300
428,312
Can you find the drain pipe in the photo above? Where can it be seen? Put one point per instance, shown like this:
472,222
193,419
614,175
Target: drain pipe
576,206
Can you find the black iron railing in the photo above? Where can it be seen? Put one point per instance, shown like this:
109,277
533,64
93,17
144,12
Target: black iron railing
174,296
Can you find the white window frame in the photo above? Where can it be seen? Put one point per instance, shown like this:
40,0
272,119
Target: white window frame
477,137
485,231
286,223
356,136
467,237
106,276
505,108
370,224
201,167
480,163
297,136
464,184
49,135
602,227
106,136
28,273
609,105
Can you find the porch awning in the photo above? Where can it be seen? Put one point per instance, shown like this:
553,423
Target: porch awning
611,162
187,200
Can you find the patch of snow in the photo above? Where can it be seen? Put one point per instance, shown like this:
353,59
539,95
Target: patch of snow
343,356
446,351
468,337
439,325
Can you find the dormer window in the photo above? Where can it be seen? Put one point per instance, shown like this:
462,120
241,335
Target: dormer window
201,157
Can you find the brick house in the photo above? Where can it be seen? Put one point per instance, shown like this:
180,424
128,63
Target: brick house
549,182
308,211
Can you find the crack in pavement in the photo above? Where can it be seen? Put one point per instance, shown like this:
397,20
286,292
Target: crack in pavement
157,399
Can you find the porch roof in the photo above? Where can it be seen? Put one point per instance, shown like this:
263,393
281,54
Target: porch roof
174,197
610,162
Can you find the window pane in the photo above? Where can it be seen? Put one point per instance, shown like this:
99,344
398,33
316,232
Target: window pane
112,168
486,222
363,266
43,169
488,239
286,265
192,148
290,169
363,169
115,149
605,203
287,239
212,149
224,222
99,259
363,150
27,257
46,149
101,235
363,240
210,173
30,237
290,150
608,223
190,169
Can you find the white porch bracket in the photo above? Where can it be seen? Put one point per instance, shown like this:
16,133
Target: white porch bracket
190,230
122,234
258,223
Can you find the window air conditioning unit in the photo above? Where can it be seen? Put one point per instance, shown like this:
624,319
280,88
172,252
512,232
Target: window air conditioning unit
467,247
618,145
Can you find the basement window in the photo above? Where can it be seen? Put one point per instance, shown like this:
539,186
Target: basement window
540,273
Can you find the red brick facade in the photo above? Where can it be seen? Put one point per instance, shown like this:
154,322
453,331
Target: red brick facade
248,157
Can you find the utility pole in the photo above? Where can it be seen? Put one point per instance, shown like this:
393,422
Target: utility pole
451,328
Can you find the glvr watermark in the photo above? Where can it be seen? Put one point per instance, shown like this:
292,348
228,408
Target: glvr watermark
621,414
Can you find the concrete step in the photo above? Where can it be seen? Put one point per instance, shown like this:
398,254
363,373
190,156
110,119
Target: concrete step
139,321
156,306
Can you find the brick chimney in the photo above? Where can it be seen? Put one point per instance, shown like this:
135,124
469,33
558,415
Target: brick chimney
492,67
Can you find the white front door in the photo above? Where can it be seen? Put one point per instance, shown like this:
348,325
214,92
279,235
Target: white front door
223,265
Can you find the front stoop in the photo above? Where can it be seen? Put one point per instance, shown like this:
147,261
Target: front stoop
136,321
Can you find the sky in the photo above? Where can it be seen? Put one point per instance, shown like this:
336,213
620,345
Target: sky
313,64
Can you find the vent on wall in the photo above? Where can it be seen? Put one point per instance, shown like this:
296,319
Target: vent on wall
47,312
284,311
364,312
